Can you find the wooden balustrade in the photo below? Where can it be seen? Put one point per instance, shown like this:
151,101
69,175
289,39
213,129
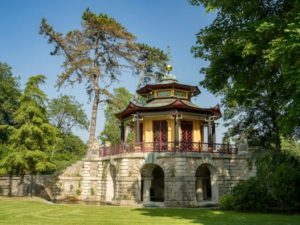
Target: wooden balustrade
168,147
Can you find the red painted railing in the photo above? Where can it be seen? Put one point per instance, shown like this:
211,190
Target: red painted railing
168,147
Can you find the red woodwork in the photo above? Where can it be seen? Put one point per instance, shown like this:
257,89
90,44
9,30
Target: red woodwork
160,135
187,134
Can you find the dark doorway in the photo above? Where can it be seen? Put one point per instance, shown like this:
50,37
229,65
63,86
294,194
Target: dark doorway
157,185
160,135
203,183
186,135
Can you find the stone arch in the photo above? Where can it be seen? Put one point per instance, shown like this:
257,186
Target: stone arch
152,183
206,183
110,183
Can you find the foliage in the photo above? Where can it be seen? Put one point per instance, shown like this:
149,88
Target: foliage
111,131
9,94
152,66
226,202
253,49
251,194
68,150
3,152
32,140
66,113
280,173
96,54
276,186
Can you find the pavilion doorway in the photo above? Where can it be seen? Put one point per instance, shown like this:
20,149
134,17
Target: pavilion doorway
160,135
187,135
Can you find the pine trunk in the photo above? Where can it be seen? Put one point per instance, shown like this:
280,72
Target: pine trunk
93,120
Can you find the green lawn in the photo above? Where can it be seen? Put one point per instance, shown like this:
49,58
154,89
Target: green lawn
36,211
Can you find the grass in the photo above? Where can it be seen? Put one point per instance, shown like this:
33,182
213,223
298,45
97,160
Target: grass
37,211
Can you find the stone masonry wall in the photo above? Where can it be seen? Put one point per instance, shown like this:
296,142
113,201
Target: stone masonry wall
119,179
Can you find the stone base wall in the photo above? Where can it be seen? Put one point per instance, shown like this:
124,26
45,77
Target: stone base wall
39,185
126,179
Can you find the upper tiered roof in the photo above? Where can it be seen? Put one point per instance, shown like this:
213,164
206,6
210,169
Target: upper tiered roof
169,82
166,95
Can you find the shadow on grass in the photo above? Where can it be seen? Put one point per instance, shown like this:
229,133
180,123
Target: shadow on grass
218,217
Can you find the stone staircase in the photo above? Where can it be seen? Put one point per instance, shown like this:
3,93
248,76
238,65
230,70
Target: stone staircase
74,170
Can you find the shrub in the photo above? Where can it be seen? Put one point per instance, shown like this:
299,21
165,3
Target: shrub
92,191
280,173
227,202
251,195
78,192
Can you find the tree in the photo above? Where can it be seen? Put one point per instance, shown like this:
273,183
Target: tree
69,149
66,113
96,54
32,140
111,131
253,49
153,64
9,95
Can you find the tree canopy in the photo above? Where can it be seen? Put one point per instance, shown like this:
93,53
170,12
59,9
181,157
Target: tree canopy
66,113
111,131
97,54
33,139
9,95
253,52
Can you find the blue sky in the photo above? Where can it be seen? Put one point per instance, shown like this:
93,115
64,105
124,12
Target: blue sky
159,23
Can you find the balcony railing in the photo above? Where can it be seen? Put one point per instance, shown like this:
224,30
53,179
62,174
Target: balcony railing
169,147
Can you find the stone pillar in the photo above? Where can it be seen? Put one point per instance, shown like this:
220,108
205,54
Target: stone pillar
199,190
99,182
214,189
146,188
85,184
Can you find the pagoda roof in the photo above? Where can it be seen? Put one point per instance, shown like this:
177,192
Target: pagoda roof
167,104
149,87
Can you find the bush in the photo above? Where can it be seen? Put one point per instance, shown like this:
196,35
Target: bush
227,202
252,195
280,173
276,186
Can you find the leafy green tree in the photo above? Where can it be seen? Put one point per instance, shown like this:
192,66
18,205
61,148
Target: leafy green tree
66,113
253,49
111,131
96,55
33,139
9,95
69,149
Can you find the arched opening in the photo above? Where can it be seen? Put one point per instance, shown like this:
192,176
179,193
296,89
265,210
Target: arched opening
152,183
203,184
111,184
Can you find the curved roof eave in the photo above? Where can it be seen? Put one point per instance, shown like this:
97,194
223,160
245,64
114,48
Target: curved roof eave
176,104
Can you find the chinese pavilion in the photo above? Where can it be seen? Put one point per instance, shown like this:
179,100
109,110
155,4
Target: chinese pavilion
173,159
169,121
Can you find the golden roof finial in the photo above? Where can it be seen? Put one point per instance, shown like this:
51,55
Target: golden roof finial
169,68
